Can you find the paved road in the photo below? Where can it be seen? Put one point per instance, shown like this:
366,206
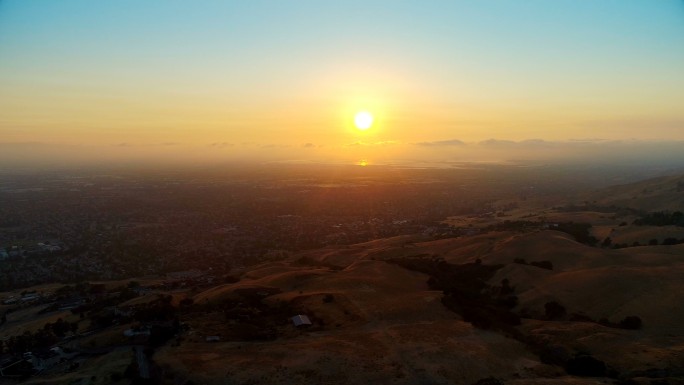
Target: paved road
143,364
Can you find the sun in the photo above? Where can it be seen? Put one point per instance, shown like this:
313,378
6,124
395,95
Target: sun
363,120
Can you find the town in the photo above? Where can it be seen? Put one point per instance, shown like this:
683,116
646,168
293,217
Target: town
127,225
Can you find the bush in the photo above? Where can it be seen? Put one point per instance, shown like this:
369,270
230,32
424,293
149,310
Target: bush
489,381
670,241
660,381
586,366
509,302
506,287
554,310
186,301
554,355
478,317
543,265
606,322
631,322
577,317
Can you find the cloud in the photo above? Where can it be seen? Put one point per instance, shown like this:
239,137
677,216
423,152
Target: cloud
536,142
451,142
366,144
496,142
221,144
308,145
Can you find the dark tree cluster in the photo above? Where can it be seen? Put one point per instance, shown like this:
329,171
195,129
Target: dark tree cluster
540,264
586,366
554,310
580,231
49,335
467,293
661,218
630,323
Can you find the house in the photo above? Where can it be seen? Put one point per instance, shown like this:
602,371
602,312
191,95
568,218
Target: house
43,359
189,274
123,312
70,303
301,320
142,331
30,297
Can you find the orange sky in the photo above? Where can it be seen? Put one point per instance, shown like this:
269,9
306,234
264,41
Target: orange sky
268,78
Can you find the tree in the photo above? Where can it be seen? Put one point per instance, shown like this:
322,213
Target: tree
554,310
187,301
607,242
586,365
670,241
506,287
542,264
631,322
489,381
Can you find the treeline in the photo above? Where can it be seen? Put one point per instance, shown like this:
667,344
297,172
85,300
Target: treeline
580,231
50,334
661,218
466,291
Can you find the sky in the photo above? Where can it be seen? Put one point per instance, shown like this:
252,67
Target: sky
263,79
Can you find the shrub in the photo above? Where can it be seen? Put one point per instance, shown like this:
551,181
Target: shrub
506,287
554,355
631,322
670,241
554,310
577,317
586,366
187,301
543,264
607,242
510,301
660,381
606,322
489,381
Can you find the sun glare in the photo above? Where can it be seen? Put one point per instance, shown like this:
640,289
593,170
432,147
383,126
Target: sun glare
363,120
